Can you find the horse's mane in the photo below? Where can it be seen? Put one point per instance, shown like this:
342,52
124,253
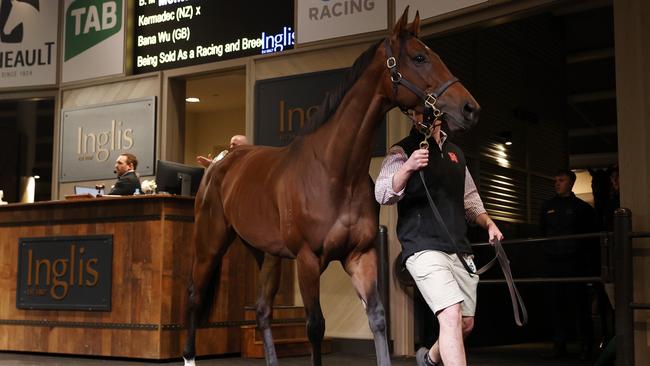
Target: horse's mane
332,99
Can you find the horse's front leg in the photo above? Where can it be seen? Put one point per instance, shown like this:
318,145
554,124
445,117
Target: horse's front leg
309,282
269,283
362,268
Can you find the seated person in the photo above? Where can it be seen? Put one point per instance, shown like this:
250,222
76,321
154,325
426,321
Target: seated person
236,140
127,179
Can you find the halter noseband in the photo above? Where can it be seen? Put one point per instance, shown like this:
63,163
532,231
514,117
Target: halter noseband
431,112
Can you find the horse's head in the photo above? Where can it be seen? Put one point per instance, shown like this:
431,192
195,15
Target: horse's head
420,81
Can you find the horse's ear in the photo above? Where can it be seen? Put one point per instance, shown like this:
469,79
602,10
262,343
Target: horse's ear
401,23
414,28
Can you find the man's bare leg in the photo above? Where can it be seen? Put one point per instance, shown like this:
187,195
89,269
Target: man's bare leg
434,351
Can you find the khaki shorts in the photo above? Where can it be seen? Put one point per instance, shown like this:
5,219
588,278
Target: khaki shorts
443,281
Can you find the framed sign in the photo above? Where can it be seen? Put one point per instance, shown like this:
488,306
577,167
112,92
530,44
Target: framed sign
284,105
28,35
319,19
65,273
93,137
93,39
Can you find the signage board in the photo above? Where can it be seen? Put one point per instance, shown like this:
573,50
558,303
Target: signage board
65,273
284,105
28,33
93,39
324,19
175,33
432,8
93,137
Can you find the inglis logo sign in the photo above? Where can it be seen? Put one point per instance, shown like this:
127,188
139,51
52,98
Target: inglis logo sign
89,22
65,273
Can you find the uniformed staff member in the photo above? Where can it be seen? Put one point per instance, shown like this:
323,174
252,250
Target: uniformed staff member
566,214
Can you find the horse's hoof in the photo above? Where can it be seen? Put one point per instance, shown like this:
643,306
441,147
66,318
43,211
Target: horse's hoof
189,362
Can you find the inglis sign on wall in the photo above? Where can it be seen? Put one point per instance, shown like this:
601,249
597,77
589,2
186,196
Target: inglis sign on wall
324,19
93,39
93,137
28,31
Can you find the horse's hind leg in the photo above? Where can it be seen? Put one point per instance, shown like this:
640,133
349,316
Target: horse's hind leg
269,283
362,267
309,282
211,239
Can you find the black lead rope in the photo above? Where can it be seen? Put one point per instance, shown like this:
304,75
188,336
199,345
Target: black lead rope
518,307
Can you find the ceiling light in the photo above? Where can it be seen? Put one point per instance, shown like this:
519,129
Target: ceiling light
192,99
506,137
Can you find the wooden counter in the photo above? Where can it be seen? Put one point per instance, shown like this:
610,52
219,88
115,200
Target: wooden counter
150,267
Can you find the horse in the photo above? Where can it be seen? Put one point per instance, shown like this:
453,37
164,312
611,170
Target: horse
312,200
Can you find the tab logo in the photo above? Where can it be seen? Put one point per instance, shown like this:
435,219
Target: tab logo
89,22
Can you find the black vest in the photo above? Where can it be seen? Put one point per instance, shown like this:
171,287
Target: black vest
417,228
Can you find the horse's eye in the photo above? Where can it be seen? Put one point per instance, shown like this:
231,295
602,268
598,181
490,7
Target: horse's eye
419,59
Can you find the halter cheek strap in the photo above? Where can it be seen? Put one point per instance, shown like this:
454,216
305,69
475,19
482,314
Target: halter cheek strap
431,112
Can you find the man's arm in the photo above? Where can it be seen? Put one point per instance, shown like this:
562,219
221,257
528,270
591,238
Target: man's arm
475,211
396,170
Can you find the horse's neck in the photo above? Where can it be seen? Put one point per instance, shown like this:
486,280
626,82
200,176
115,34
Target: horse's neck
344,144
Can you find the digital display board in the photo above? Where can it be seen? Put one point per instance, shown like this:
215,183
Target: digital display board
176,33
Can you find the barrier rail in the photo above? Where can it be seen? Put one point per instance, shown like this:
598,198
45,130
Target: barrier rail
625,306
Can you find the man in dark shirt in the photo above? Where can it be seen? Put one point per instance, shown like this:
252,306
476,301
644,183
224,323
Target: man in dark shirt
127,180
434,259
566,214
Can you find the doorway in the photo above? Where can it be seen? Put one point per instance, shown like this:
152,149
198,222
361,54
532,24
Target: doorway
215,110
26,143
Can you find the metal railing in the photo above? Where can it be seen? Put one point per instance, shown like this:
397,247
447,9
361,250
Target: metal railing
624,296
606,255
616,266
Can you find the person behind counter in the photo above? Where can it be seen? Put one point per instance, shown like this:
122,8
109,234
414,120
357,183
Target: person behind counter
127,179
235,141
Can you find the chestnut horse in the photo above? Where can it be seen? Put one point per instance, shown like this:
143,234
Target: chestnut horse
312,200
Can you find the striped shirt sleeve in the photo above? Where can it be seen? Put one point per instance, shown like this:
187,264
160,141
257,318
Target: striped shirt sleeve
384,193
473,204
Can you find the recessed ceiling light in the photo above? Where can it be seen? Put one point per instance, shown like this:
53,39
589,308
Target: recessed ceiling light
192,99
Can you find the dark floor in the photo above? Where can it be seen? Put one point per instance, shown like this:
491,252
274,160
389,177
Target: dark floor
518,355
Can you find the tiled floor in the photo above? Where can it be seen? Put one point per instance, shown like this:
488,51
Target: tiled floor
519,355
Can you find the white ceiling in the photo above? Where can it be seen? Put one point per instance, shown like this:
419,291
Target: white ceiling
217,92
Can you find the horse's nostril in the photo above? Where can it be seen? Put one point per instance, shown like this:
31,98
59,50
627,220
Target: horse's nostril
471,111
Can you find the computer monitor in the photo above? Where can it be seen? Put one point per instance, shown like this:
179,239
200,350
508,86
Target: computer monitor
176,178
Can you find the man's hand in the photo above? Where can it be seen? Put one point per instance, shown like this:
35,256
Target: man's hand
205,162
418,160
494,234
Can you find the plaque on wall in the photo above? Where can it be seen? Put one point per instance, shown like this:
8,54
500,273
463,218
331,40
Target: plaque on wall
65,273
92,137
284,105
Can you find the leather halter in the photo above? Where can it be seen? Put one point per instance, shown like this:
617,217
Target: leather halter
431,112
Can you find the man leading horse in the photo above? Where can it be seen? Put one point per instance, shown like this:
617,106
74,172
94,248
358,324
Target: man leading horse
312,200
